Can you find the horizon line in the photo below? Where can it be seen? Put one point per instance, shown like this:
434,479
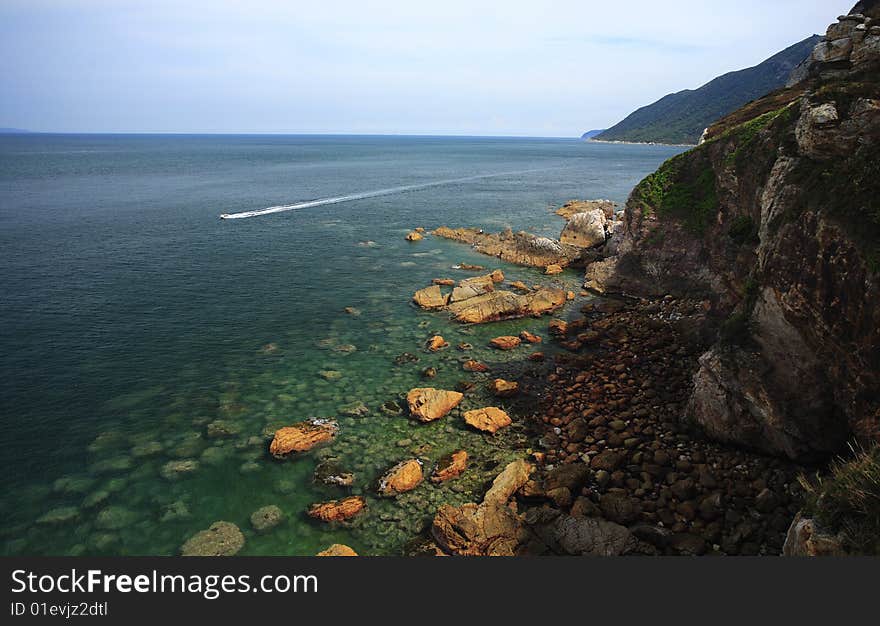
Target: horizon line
16,131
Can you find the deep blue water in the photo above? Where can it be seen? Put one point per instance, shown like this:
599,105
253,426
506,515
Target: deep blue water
132,314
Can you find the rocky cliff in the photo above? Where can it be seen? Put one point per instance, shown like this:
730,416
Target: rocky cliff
775,222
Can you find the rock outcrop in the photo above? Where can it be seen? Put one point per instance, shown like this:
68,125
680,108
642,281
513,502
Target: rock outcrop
573,207
491,528
585,230
773,222
337,549
427,404
518,248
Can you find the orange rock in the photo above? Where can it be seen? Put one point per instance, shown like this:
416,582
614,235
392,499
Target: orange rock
414,236
420,229
445,282
569,295
504,388
489,419
527,336
497,276
403,477
474,366
553,269
518,284
436,343
506,342
302,436
536,356
470,268
337,549
450,466
338,510
428,404
558,327
431,298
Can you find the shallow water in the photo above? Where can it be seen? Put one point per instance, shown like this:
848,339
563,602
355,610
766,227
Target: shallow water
132,317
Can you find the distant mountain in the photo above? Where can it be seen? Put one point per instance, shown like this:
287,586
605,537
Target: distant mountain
681,118
13,131
592,133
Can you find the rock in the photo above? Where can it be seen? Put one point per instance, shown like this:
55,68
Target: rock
620,508
330,375
405,357
222,428
350,310
266,518
832,51
766,501
474,366
337,549
529,337
507,342
497,276
536,356
502,305
173,470
115,518
337,510
431,298
504,388
220,539
806,538
302,437
573,207
688,544
428,404
444,282
585,230
464,346
520,248
607,460
553,269
558,328
60,515
403,477
429,372
489,419
591,536
437,343
469,267
521,286
414,236
354,409
488,529
330,472
472,287
450,466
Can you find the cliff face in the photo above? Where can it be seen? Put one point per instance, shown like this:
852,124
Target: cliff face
775,221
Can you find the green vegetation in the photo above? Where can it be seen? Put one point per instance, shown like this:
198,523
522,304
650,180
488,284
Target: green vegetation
847,500
684,189
681,117
743,230
746,134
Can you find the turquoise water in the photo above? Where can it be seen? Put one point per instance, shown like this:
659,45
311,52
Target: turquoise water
132,317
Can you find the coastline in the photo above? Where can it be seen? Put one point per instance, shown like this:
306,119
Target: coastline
642,143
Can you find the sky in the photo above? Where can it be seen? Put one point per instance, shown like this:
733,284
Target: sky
538,68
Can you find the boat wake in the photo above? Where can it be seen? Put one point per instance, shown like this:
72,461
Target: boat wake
368,194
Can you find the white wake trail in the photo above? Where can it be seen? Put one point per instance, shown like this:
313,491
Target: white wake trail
368,194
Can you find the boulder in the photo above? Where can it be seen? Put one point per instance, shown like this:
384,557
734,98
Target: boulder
413,236
497,276
553,269
501,388
506,342
489,419
474,366
558,328
403,477
521,286
529,337
436,343
591,536
428,404
431,298
502,305
806,538
585,230
302,436
472,287
337,549
573,207
337,510
220,539
450,466
443,282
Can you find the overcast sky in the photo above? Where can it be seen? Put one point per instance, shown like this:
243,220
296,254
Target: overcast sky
542,67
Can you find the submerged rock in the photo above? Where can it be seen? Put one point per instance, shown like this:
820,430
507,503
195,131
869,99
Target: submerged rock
337,549
403,477
302,436
338,510
529,337
115,518
489,419
266,518
504,388
427,404
222,428
354,409
330,472
450,466
61,515
173,470
474,366
220,539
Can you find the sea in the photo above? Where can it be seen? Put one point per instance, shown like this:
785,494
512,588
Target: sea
137,328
